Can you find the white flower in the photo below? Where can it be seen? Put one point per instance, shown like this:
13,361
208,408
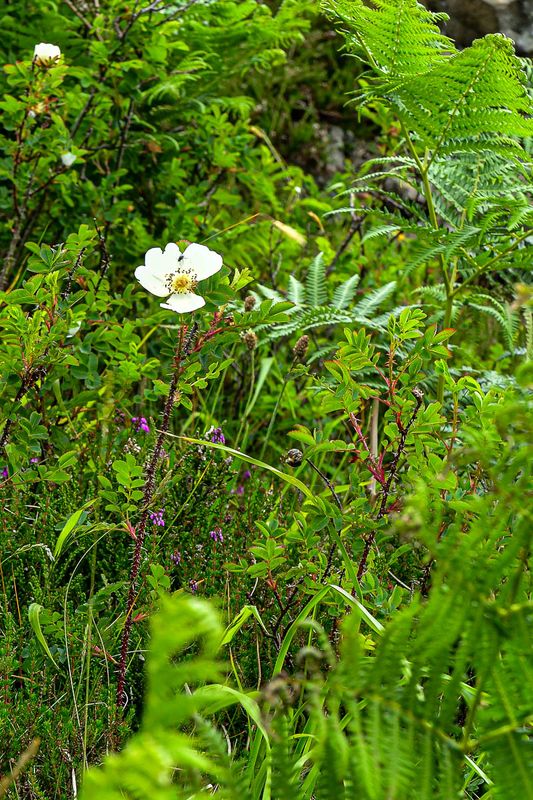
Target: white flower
68,159
46,54
174,275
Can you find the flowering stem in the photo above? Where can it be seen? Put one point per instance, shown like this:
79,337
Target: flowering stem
183,349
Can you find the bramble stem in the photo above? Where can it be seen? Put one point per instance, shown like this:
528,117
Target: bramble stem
419,396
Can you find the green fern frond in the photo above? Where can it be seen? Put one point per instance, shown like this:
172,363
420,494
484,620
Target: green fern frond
270,294
315,283
436,293
345,293
507,319
511,760
476,93
296,291
374,299
322,352
472,181
190,68
432,244
377,231
305,319
284,772
528,322
385,223
467,111
399,37
381,322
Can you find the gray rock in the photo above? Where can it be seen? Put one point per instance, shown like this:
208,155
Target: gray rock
471,19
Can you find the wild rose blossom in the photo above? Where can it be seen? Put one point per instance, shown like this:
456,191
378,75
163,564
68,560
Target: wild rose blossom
45,54
175,275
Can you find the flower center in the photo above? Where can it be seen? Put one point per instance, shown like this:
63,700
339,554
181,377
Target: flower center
181,282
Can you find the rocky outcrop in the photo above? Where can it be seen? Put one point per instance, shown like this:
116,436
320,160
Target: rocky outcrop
470,19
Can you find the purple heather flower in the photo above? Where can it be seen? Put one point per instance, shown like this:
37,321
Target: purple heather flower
216,534
193,586
239,490
156,518
176,558
215,435
5,473
34,460
246,475
141,424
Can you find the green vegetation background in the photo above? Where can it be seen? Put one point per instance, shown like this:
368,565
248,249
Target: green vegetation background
366,548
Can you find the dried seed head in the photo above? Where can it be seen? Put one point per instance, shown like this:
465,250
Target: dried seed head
249,302
299,350
250,339
294,458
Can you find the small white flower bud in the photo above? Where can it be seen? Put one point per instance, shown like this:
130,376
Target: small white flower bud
45,54
68,159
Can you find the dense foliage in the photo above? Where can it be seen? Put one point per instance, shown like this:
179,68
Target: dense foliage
277,547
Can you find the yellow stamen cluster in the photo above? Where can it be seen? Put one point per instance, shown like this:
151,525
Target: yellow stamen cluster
181,282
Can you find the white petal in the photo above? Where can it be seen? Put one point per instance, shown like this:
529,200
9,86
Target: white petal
46,50
183,303
156,261
172,250
150,281
202,260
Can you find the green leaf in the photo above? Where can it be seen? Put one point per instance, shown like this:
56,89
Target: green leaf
264,369
69,526
244,614
34,612
237,454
